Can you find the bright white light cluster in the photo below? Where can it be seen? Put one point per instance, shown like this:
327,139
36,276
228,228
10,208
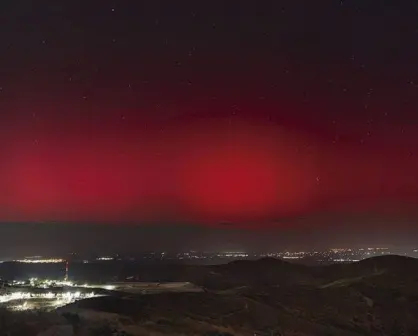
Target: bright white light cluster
60,300
40,261
14,296
64,283
107,287
66,297
44,283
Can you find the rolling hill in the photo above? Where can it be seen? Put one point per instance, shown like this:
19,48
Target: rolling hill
377,296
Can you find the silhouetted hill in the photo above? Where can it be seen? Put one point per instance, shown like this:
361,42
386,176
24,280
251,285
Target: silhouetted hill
273,272
377,296
389,262
391,265
263,272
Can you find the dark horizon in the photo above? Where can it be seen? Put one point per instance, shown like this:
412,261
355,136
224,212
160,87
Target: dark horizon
54,239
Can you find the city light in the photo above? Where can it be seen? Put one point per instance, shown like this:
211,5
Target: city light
105,258
40,261
60,298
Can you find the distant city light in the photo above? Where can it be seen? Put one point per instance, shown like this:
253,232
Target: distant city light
105,258
40,261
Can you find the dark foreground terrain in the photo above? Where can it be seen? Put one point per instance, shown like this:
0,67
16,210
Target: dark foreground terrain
377,296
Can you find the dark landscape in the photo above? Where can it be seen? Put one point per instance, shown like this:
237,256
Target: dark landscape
376,296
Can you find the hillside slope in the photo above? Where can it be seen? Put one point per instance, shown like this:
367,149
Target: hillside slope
271,297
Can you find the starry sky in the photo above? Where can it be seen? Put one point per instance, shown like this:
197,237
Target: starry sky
216,114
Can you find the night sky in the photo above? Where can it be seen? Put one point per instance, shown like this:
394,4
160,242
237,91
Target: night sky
226,115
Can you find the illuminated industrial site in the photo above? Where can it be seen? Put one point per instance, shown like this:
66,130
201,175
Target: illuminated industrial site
48,294
26,300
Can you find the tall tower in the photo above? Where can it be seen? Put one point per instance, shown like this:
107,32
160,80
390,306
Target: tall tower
66,271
